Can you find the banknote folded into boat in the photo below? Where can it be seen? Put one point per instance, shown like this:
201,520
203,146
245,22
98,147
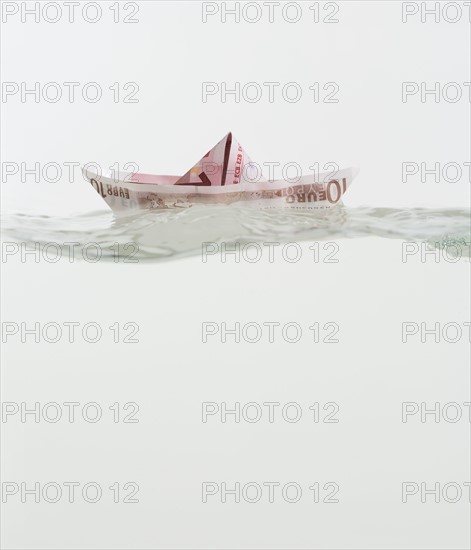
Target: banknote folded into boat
225,175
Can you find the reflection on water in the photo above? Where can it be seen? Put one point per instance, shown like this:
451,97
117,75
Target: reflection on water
160,235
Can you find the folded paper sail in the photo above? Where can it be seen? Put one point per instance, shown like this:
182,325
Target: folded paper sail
222,165
224,175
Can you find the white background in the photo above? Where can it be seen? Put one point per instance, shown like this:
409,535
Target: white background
170,52
369,293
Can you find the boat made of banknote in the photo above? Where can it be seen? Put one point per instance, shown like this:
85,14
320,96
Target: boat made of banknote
225,175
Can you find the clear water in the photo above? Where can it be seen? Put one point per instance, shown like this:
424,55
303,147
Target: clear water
170,234
369,372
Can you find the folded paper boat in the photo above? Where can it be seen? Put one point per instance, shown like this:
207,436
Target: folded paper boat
225,175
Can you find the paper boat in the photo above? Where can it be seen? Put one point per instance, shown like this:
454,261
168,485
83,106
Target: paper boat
224,175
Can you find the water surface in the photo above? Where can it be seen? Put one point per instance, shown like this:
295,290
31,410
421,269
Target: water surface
163,235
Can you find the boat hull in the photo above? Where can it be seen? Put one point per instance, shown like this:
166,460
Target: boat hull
130,192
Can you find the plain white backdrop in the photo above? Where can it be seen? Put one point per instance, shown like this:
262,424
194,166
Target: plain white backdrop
169,53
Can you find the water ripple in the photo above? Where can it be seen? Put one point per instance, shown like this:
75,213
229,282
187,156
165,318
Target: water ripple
176,233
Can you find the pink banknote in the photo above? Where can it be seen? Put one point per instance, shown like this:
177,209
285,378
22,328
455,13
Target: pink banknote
224,175
222,165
